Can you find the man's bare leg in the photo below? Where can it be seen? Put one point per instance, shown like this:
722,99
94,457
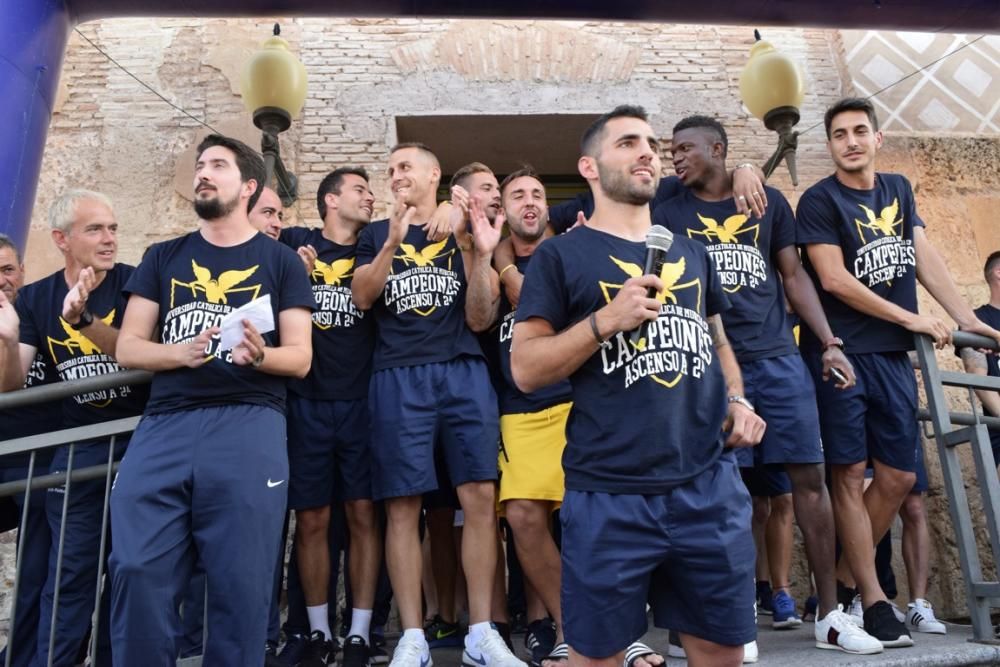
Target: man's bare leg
365,558
814,514
703,653
311,527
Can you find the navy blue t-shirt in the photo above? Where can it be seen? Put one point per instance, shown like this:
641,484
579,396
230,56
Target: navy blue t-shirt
745,252
563,216
343,337
71,353
642,421
421,312
512,399
196,284
874,229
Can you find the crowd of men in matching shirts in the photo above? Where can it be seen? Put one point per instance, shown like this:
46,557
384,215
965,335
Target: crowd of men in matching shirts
404,350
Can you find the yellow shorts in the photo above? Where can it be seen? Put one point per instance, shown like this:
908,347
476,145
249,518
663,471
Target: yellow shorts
531,458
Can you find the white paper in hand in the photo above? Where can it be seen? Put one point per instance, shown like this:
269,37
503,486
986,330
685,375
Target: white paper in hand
257,311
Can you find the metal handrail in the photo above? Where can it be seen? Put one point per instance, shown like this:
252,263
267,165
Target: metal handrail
68,388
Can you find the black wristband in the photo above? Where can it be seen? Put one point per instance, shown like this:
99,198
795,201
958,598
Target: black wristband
593,327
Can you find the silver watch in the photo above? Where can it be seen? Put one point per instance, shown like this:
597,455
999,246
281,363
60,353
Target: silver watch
742,401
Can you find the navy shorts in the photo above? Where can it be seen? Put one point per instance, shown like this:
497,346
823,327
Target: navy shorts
782,393
329,449
766,481
415,410
689,553
877,418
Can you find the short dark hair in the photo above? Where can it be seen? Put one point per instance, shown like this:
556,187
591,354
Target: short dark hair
525,170
8,242
332,182
850,104
463,174
422,147
592,135
990,264
248,161
707,123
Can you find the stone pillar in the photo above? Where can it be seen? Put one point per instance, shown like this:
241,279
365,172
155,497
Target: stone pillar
33,39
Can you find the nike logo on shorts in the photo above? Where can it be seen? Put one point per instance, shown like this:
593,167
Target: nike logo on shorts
271,484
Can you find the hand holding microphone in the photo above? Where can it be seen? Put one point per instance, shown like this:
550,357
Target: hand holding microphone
658,242
636,302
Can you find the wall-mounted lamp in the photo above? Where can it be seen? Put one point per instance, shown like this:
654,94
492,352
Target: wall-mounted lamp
772,88
274,89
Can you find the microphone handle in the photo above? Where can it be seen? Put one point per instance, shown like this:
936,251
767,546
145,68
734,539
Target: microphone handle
654,264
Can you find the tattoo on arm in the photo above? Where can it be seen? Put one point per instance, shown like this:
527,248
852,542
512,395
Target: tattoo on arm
974,359
716,331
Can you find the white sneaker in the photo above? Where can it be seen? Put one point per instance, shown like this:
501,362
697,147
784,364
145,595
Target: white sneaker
920,617
856,612
837,631
492,652
411,653
750,654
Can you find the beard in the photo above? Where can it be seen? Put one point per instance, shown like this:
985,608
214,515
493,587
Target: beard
214,208
528,236
619,187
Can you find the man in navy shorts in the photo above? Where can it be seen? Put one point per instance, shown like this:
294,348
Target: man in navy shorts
654,508
206,478
986,364
758,267
329,439
430,389
865,248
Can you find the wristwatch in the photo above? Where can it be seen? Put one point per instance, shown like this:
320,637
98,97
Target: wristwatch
86,319
258,360
742,401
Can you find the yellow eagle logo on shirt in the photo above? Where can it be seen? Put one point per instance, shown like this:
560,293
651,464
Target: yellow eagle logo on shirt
727,232
216,290
334,272
75,342
425,256
670,274
885,223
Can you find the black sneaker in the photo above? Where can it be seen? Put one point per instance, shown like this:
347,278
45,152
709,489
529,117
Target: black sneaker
320,652
845,595
271,654
883,625
442,634
291,653
540,639
377,654
356,652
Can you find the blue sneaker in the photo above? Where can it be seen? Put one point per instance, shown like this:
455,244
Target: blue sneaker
784,612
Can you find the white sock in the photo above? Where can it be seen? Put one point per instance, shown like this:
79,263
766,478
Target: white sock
318,619
476,631
361,620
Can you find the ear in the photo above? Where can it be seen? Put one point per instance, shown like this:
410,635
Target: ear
331,200
59,238
878,140
587,166
436,174
717,149
249,188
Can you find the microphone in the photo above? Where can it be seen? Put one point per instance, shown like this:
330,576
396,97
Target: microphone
658,242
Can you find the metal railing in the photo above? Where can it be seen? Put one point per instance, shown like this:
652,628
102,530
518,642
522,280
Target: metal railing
31,445
952,429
